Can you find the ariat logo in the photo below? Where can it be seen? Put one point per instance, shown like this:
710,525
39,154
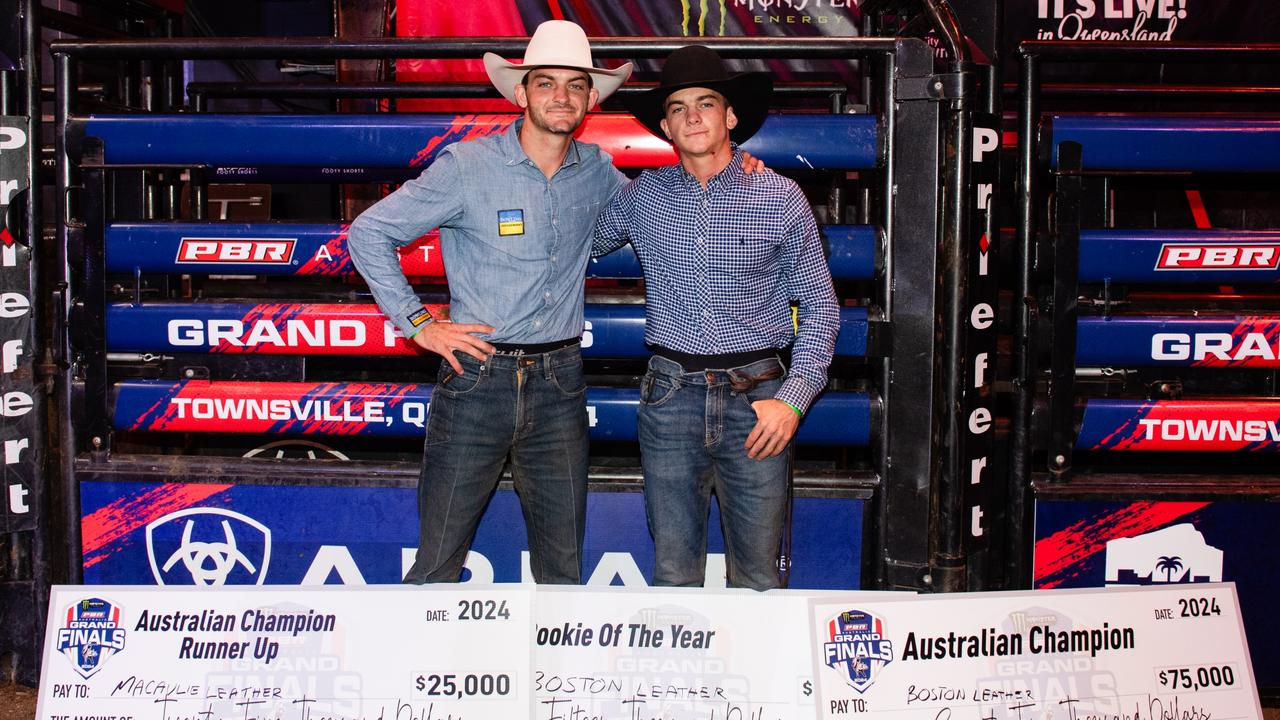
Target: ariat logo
208,546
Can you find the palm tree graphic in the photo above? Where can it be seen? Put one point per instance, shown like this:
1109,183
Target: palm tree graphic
1169,564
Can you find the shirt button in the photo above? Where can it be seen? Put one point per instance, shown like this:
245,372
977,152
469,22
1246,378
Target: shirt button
537,323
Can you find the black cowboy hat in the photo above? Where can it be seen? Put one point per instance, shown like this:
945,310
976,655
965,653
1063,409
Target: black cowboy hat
747,93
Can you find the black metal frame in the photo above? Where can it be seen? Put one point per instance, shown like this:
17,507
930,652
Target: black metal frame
1034,251
924,113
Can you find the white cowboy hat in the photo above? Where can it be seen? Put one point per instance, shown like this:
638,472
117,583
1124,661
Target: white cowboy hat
556,43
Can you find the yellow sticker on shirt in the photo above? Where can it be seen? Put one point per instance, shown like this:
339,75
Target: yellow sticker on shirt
510,222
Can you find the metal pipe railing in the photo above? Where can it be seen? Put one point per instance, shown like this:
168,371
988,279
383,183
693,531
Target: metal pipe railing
322,48
1033,55
68,55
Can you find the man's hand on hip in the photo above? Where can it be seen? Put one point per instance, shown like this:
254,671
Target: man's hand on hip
443,338
776,424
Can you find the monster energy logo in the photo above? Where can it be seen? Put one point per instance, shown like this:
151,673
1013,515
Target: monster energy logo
686,13
775,10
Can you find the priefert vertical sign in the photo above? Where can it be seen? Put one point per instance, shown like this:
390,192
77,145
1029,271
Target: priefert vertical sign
19,446
977,441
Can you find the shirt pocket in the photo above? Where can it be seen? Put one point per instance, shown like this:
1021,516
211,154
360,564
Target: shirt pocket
579,220
749,260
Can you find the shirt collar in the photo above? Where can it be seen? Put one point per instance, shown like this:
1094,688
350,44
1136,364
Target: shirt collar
725,178
515,153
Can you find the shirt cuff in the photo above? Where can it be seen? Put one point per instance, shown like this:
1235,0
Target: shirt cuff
412,319
797,393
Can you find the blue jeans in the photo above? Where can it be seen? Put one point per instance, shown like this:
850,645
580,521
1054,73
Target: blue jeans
530,408
693,430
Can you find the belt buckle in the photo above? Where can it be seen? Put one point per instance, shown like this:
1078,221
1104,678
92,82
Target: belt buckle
743,383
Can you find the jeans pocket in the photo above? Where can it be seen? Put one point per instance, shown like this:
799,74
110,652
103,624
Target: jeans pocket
657,389
763,390
450,382
569,378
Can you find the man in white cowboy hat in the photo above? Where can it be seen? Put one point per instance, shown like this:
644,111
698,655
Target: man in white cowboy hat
515,213
724,254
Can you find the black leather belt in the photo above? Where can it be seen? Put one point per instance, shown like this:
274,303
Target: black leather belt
697,363
533,348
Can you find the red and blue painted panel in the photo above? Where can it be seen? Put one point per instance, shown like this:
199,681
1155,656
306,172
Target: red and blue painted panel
148,533
1142,541
1235,425
321,249
397,410
612,330
1179,341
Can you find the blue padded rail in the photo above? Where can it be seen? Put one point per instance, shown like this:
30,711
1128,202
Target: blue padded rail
614,331
1178,341
320,249
394,410
391,140
1207,143
1180,256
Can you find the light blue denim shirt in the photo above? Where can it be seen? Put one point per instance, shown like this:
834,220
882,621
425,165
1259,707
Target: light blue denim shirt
514,243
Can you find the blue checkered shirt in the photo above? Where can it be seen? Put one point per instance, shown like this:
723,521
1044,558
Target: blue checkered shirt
723,264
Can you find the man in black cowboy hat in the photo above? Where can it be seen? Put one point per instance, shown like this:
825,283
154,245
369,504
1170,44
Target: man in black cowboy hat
725,254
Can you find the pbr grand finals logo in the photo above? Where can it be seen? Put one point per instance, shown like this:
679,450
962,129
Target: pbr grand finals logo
90,634
856,647
208,546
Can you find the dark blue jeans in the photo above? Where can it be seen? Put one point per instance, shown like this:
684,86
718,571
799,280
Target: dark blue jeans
693,429
530,408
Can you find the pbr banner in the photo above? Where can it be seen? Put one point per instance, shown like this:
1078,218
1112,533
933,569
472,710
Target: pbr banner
389,652
1244,425
21,444
321,249
214,534
1143,541
397,410
1180,256
257,248
1142,654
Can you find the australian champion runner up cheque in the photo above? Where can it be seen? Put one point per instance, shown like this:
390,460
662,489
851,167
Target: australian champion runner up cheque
1174,652
360,653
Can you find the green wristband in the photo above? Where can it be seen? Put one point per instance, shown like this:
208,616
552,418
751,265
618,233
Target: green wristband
794,409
